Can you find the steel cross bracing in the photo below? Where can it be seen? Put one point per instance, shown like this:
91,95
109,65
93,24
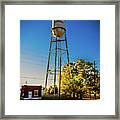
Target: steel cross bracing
57,52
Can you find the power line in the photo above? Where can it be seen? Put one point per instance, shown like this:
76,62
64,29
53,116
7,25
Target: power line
32,56
30,77
32,63
39,53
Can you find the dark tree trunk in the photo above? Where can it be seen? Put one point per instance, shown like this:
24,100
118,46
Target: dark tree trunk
77,95
74,95
95,95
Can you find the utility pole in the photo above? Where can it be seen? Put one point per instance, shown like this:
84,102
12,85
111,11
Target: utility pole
94,66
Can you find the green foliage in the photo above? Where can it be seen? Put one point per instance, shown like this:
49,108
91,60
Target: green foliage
50,90
80,80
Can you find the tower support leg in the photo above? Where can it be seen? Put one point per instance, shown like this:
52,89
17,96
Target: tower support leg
48,65
55,66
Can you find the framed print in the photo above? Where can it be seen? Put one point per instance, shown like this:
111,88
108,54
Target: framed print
60,59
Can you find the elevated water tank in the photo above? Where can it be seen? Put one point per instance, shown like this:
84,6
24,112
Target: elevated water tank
58,28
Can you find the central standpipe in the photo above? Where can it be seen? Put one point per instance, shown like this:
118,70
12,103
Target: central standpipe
58,50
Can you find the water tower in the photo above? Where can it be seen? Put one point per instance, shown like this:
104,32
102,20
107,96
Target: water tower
58,54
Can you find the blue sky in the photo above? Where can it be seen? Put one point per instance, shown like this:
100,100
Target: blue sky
83,38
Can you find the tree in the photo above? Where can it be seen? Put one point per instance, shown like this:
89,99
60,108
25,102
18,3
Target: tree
79,80
50,90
